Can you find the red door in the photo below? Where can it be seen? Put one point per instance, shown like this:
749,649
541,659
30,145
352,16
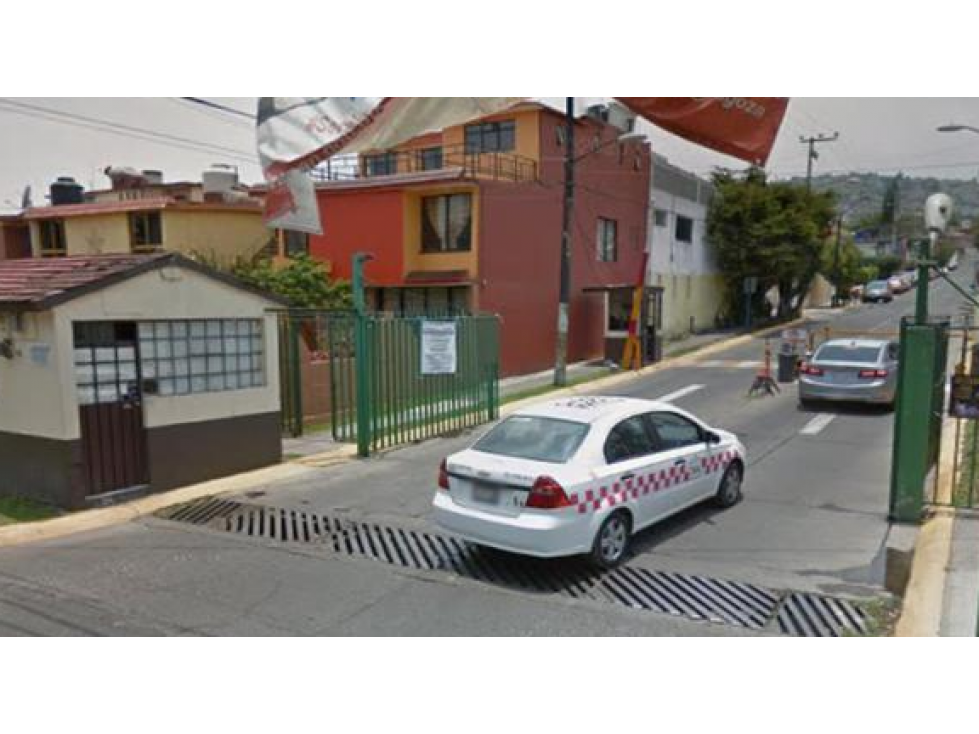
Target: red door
110,406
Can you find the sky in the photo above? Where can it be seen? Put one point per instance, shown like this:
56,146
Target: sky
39,143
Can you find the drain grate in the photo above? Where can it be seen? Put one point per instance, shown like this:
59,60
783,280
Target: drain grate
811,615
681,595
693,597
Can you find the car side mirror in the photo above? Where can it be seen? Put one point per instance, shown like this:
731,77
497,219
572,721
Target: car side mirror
711,438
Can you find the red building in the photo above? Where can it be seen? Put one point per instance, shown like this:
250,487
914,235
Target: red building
470,218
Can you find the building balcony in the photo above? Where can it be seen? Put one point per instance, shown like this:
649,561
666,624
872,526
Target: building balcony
494,166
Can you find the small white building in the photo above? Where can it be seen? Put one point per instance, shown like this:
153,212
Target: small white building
681,262
127,374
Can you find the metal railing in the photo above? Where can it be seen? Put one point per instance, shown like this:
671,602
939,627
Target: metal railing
400,403
494,166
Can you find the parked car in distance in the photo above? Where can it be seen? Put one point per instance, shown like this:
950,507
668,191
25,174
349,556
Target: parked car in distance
897,285
878,291
851,370
910,277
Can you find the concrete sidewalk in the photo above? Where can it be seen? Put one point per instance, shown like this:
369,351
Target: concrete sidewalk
960,612
584,371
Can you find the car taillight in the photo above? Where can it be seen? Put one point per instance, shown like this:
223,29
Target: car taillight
873,374
547,494
808,369
444,475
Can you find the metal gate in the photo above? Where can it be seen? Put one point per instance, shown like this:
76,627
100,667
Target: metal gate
107,374
960,489
380,393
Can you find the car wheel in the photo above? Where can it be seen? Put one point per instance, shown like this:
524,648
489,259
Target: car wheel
730,492
807,404
612,541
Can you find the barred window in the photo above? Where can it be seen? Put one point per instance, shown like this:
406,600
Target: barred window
188,357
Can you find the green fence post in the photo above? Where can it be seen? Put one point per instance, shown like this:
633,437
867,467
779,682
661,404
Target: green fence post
295,378
362,370
914,452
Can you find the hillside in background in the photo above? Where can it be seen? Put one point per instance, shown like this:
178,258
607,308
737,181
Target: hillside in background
863,193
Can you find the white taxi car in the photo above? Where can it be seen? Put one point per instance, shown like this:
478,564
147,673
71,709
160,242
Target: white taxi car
582,475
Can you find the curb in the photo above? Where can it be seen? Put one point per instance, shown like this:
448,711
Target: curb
88,520
921,615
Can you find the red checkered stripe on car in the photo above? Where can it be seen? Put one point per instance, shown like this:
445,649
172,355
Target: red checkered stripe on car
718,462
620,493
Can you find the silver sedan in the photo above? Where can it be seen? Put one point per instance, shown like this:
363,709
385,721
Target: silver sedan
851,370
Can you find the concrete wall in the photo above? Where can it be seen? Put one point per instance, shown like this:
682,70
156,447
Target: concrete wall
218,235
34,391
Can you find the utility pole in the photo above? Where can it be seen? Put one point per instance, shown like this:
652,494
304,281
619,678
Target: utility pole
836,261
812,142
561,359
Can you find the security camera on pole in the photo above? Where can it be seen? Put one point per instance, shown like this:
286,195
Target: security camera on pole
938,214
919,410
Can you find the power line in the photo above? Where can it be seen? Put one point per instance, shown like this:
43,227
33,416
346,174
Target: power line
211,114
115,128
216,106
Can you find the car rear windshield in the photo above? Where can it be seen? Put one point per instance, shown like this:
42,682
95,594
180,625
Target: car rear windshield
537,439
878,285
842,353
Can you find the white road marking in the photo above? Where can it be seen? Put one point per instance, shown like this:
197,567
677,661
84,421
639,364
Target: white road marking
748,365
818,424
673,397
714,363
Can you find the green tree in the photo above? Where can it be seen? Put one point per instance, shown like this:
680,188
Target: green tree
772,231
848,267
303,281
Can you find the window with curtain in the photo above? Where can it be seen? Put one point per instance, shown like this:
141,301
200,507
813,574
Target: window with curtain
608,247
447,223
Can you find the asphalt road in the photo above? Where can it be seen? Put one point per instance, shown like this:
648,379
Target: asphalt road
814,519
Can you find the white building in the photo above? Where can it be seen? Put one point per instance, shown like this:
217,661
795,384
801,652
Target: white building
127,374
682,262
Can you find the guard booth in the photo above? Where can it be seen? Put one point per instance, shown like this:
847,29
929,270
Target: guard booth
619,304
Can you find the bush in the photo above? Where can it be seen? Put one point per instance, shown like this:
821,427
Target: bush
303,281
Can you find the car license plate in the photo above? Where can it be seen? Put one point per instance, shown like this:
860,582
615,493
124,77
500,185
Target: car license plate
485,494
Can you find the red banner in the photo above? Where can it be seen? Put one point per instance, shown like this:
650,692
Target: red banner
743,127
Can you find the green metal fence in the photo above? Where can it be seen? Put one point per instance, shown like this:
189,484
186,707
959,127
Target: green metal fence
380,395
326,337
400,403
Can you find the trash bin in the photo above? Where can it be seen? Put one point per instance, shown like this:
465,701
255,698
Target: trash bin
788,361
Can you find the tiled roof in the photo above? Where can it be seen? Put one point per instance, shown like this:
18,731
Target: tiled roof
38,284
96,207
93,208
30,281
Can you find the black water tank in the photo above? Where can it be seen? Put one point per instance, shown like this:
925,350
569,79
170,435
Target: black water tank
66,191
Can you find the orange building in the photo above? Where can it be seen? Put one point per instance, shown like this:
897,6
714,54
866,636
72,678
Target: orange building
469,219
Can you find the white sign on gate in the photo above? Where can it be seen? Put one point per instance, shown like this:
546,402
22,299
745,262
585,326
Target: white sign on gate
438,347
